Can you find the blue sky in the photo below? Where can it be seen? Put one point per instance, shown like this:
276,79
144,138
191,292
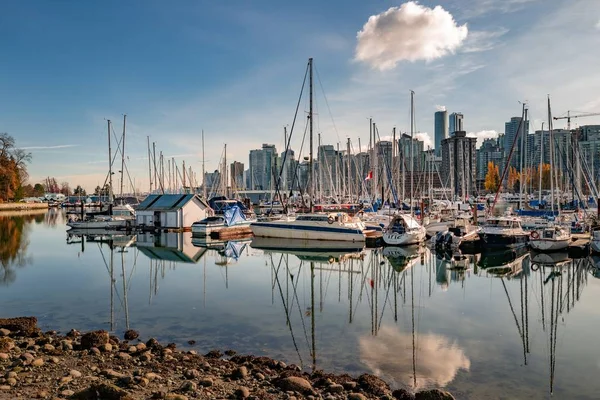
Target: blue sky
235,68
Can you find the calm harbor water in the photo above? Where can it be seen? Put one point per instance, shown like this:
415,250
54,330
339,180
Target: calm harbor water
510,325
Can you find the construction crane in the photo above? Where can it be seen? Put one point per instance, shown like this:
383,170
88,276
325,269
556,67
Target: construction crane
569,116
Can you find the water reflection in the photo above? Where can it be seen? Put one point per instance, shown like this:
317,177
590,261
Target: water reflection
14,243
416,318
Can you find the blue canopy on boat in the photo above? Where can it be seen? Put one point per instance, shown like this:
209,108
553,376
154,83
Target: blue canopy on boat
234,215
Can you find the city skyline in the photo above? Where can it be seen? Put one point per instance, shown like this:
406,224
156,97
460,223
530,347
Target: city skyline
178,70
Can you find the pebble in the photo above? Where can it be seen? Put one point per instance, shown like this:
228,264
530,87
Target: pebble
49,347
357,396
67,393
4,387
111,373
335,388
131,335
95,351
11,374
143,381
54,360
42,394
188,386
4,356
242,392
132,349
27,356
240,373
141,347
147,356
38,362
175,397
124,356
4,332
107,347
191,373
350,385
206,382
75,374
152,376
65,379
11,381
296,384
260,377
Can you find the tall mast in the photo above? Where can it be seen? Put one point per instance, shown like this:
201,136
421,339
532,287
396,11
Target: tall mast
349,171
412,124
110,186
393,166
203,172
541,164
522,150
225,175
371,150
123,154
183,170
149,164
551,157
375,164
310,118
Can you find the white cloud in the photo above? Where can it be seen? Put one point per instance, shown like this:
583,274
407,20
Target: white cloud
598,24
61,146
483,40
388,356
410,32
440,108
478,8
482,135
425,138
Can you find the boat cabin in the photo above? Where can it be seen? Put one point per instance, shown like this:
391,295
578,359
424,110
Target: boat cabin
503,222
172,211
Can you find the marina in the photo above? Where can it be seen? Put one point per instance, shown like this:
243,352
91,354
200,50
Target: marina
490,314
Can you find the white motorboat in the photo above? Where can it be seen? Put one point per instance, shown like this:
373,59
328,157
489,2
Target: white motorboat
404,230
333,226
233,217
551,238
122,216
503,232
460,232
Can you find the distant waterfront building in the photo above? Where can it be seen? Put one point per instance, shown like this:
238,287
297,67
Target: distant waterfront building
404,146
263,162
236,174
213,182
490,151
329,170
440,130
459,164
455,123
288,171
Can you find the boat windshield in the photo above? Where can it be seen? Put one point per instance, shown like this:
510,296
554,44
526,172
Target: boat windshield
311,218
502,223
122,213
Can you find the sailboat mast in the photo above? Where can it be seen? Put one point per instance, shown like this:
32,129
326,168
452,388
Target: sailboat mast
123,154
203,172
412,124
541,164
225,181
310,125
149,164
110,186
551,157
349,171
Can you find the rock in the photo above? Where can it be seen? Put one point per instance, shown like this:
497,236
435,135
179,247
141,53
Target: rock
188,386
373,385
112,374
42,394
260,376
403,394
131,335
4,356
66,345
4,332
11,381
143,381
38,362
386,397
94,339
49,348
107,347
295,384
214,354
124,356
132,349
75,374
141,346
6,344
191,373
54,360
152,376
95,351
67,393
242,392
25,326
153,344
240,373
230,353
175,397
65,379
146,356
206,382
102,391
349,385
434,394
357,396
11,374
335,388
73,333
5,387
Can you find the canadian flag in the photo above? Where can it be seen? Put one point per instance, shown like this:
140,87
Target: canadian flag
369,176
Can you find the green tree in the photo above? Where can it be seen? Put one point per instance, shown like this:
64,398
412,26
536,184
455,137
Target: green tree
79,191
38,190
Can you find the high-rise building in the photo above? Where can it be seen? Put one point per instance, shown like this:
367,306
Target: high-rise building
513,128
459,164
236,174
288,170
262,165
490,151
455,123
404,146
329,170
440,130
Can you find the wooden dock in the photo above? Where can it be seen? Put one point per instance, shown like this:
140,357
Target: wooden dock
23,206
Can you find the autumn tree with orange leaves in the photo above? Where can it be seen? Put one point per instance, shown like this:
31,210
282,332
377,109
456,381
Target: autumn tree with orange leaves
492,178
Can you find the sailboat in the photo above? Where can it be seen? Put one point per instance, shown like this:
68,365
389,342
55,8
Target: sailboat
404,229
553,237
333,226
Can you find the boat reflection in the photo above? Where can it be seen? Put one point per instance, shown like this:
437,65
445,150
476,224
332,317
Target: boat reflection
401,258
506,263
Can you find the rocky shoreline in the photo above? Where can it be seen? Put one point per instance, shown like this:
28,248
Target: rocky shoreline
95,365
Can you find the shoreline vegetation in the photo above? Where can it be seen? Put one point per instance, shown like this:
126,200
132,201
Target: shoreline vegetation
22,206
96,365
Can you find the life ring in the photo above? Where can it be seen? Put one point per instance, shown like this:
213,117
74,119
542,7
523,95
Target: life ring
535,235
330,220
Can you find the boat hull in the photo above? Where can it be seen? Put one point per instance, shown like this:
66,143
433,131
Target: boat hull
595,246
549,244
98,224
290,231
503,241
404,239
